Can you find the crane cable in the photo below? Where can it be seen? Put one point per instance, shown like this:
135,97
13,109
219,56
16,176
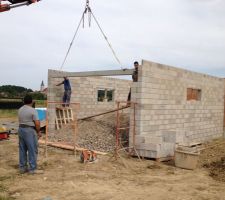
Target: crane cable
88,11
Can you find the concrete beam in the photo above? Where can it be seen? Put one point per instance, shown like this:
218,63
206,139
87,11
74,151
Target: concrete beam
61,74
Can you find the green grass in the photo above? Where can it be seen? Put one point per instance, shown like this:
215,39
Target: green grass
8,113
40,103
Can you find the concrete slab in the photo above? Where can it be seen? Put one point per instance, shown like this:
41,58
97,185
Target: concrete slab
121,72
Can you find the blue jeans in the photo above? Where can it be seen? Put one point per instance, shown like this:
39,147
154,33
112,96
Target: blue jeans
28,148
66,97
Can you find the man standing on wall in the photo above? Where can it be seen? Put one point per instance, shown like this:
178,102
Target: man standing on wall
29,132
67,91
134,77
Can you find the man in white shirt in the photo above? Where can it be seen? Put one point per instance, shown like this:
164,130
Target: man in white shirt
29,132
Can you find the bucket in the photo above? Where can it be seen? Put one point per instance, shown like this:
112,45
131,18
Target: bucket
186,160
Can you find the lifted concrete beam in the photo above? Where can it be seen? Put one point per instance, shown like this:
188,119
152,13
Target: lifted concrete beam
61,74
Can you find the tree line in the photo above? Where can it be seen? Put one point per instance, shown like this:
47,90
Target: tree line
18,92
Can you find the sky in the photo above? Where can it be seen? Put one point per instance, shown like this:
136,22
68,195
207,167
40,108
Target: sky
188,34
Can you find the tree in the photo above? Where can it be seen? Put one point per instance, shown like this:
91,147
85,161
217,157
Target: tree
12,91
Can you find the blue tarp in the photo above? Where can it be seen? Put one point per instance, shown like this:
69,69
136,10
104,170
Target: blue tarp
41,113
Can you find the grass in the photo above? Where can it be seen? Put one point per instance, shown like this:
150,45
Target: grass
40,103
8,113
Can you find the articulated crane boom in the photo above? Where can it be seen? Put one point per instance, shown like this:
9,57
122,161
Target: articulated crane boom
14,4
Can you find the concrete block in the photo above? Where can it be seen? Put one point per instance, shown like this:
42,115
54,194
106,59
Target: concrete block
169,136
152,139
162,150
149,146
166,150
139,139
147,153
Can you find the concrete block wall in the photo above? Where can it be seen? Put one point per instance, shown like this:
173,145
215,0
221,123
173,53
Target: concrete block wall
84,91
164,117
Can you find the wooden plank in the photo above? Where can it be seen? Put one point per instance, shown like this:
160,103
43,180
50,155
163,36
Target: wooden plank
60,74
67,147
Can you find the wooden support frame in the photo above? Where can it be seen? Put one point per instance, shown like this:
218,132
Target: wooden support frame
65,116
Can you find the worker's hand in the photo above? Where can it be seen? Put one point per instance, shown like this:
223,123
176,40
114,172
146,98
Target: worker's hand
39,135
32,1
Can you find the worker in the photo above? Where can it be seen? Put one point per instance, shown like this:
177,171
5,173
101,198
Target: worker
29,133
67,91
134,78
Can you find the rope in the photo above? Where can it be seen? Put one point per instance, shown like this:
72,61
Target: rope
110,46
88,11
74,36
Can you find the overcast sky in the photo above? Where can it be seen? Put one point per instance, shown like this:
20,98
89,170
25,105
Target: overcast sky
185,33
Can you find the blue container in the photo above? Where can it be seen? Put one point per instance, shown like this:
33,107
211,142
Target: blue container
41,113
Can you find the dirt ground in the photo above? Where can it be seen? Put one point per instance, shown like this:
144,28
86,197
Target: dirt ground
127,178
213,159
66,178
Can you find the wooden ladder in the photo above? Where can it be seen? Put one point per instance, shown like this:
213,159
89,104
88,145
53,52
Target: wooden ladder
64,115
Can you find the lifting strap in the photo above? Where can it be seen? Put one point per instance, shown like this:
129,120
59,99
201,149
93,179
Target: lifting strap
87,11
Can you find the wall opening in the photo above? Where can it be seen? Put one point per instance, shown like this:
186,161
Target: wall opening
105,95
194,94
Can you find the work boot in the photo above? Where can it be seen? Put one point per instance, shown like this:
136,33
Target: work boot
36,171
23,171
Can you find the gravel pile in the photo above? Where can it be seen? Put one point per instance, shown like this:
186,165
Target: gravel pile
95,134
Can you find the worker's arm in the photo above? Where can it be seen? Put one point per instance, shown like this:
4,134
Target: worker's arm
60,83
37,127
37,123
21,1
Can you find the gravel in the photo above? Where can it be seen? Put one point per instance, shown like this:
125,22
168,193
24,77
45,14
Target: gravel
95,134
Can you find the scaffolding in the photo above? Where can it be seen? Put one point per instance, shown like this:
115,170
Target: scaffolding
61,119
130,130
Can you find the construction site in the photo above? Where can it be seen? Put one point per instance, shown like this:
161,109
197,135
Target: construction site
164,136
151,132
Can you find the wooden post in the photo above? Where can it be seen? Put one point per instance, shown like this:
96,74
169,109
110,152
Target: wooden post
117,129
46,131
75,134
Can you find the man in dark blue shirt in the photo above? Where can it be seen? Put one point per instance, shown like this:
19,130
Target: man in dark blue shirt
67,91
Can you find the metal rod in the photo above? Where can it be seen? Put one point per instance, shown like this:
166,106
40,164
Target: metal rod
117,128
46,131
26,3
111,111
134,126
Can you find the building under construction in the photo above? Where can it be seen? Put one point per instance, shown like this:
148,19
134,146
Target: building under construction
173,106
